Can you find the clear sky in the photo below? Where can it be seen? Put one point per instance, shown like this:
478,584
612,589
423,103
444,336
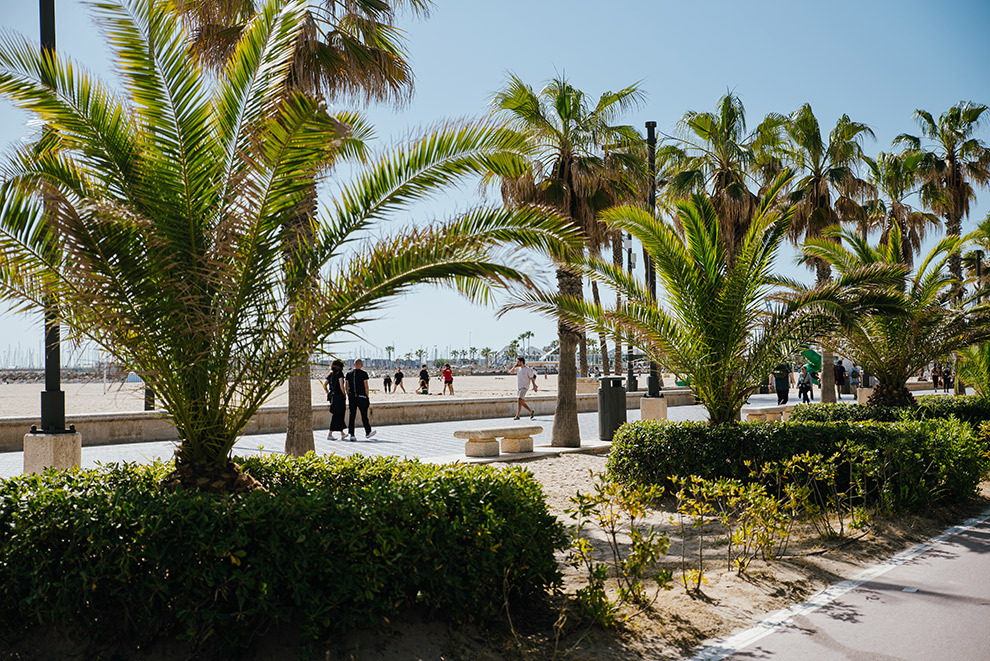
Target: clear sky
874,60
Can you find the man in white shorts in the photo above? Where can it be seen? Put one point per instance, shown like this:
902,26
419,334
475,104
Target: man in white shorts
525,376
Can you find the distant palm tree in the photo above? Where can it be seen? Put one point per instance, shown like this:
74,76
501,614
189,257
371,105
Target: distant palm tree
163,235
954,163
895,178
825,190
486,352
712,323
893,347
569,173
348,48
715,155
388,352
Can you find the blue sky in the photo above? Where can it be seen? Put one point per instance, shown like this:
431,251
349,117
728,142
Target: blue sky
874,60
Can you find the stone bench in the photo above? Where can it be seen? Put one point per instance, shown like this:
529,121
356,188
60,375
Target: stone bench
769,413
484,443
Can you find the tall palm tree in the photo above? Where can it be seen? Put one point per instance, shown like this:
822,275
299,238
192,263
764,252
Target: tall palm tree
348,48
825,190
714,154
954,163
162,236
895,179
893,347
711,323
569,173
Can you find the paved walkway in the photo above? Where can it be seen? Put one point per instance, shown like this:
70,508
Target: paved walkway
433,441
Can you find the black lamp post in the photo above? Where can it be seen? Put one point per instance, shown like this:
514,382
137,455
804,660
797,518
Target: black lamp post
631,385
52,399
653,381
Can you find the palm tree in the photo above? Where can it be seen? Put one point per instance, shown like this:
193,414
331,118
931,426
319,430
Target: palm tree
485,353
711,323
895,179
893,347
162,231
953,162
715,155
569,173
388,352
824,192
347,48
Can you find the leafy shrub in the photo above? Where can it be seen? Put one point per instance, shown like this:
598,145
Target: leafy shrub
972,409
908,463
337,543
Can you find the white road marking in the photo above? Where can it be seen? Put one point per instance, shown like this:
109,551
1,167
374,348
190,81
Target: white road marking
723,647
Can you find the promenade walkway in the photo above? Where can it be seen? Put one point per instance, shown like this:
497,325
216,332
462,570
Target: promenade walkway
431,441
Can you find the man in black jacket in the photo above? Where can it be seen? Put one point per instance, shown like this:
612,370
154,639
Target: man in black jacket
358,395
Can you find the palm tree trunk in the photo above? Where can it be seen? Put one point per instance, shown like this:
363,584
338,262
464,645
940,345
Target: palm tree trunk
602,338
617,261
565,422
953,226
299,427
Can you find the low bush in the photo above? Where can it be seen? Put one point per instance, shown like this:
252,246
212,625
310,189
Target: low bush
909,463
972,409
337,543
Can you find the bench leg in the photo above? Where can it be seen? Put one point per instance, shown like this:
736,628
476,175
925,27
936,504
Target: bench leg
523,444
482,447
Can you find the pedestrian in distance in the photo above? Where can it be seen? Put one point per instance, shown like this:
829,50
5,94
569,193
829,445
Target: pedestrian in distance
398,380
387,382
448,379
804,386
359,396
424,381
783,378
840,378
525,376
947,379
336,395
936,376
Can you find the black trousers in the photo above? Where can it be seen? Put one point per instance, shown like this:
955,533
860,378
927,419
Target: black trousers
361,403
783,390
337,409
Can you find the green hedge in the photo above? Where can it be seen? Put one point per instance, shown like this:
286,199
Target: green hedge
338,543
912,462
972,409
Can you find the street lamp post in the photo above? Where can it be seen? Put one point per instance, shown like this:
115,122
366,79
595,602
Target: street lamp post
631,385
653,382
53,445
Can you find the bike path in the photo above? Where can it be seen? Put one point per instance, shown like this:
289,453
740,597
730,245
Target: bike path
931,602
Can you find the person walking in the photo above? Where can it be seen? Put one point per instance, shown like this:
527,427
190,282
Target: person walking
424,381
854,380
840,379
398,380
804,386
947,378
783,378
525,376
358,393
448,379
936,376
336,395
387,382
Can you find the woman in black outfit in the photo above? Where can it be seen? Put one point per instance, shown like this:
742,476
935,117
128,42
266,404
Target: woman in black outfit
336,395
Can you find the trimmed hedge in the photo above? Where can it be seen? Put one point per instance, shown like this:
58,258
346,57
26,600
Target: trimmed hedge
912,462
338,543
971,408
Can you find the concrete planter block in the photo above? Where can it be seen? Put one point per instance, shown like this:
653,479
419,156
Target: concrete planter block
587,385
863,394
653,408
517,444
62,451
481,448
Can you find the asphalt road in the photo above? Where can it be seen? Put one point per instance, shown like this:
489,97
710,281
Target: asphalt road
931,602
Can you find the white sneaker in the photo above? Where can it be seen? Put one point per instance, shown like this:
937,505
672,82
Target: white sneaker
371,433
331,437
352,438
516,418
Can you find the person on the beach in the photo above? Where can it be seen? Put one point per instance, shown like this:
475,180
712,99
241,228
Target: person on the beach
804,386
387,383
424,381
334,385
782,380
524,377
398,380
448,379
358,392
